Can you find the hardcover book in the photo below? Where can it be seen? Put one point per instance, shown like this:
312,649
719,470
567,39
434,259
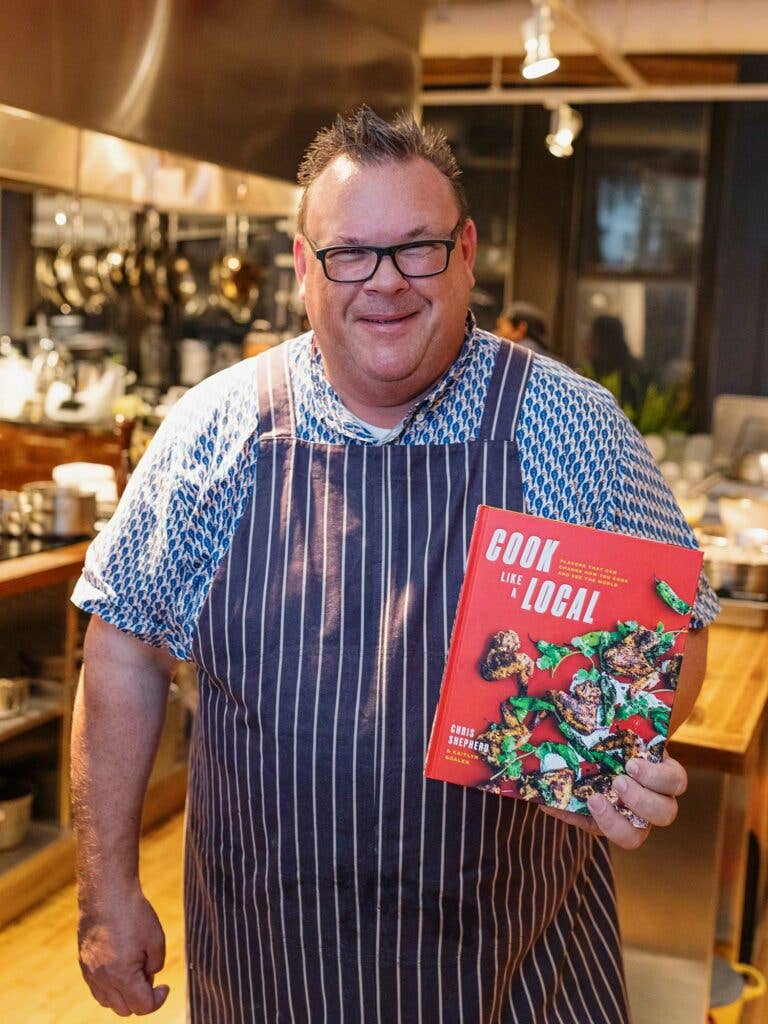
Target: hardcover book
564,659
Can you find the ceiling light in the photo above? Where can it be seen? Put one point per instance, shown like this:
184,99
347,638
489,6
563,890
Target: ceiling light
564,126
539,59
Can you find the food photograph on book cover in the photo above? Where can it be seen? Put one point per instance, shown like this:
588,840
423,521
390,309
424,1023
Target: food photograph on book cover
564,660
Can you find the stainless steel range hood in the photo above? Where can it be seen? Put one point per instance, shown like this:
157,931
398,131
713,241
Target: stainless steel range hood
243,85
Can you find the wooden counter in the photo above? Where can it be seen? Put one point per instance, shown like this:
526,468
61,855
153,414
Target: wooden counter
43,569
723,729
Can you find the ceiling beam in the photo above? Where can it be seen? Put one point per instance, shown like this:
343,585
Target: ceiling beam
553,96
579,20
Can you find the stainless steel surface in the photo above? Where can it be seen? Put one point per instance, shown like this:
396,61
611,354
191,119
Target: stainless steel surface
731,417
267,76
14,696
15,814
59,511
35,150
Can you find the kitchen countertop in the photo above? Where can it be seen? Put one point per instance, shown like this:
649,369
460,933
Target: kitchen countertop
723,729
44,424
42,569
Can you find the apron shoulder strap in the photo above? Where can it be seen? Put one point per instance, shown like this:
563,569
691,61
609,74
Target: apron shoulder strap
275,397
505,392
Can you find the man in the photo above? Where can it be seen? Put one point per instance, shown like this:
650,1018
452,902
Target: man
298,528
525,324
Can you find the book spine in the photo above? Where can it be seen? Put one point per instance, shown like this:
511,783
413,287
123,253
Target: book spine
455,643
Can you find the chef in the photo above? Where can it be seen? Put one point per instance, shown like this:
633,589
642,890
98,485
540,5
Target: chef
298,529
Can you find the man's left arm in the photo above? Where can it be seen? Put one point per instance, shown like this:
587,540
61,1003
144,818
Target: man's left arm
691,677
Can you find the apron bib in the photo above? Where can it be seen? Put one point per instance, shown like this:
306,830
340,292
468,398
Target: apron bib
325,879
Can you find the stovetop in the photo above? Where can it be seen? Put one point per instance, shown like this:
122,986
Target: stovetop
15,547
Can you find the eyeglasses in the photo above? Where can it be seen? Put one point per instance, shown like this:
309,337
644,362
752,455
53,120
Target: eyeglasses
352,264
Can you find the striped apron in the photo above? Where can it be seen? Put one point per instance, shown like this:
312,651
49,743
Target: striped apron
325,879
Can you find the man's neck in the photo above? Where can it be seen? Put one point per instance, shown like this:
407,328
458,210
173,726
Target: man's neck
378,415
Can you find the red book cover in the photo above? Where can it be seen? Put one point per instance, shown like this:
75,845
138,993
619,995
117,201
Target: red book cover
564,659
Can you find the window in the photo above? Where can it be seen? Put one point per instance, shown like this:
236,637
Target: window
640,240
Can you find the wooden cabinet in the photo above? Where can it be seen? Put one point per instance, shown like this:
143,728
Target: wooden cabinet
45,861
31,451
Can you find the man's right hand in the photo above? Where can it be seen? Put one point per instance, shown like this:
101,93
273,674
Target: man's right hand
122,948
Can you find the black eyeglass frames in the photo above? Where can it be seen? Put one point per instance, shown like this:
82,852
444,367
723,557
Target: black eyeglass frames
353,264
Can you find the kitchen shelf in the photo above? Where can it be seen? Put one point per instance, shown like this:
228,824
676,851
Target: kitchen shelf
41,835
38,711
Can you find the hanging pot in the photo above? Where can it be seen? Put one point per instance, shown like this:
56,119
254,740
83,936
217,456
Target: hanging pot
141,267
64,267
113,260
86,272
46,281
180,276
234,276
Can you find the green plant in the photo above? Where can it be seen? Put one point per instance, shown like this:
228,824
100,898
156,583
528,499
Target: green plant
661,407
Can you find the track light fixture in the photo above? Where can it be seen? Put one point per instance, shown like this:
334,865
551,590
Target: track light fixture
539,59
564,126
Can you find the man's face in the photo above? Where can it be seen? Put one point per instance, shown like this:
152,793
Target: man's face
386,340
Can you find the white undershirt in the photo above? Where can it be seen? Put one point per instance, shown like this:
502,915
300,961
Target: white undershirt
380,433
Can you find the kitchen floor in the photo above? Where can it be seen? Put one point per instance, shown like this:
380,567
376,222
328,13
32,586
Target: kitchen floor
40,981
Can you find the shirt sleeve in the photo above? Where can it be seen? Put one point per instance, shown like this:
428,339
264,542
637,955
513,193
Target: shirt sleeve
149,569
644,506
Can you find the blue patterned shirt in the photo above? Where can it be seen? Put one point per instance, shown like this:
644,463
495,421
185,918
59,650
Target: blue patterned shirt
149,570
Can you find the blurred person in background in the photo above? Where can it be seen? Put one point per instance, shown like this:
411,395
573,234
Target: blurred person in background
526,325
608,355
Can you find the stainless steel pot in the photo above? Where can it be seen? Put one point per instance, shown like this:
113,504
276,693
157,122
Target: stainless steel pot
746,580
14,696
59,511
13,514
15,812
